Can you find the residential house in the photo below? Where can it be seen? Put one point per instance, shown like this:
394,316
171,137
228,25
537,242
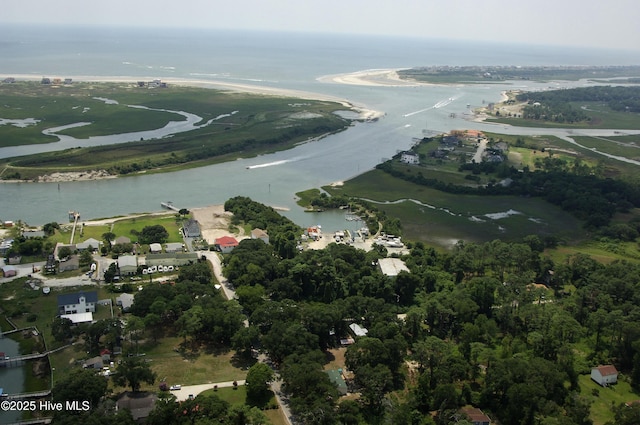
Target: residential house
605,375
125,301
410,158
78,302
94,363
128,265
72,263
225,244
139,404
474,415
260,234
90,244
30,234
173,247
171,259
9,271
358,330
191,229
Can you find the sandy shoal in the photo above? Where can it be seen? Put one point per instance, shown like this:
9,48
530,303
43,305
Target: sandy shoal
372,77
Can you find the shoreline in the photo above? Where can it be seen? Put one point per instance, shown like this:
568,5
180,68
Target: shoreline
372,78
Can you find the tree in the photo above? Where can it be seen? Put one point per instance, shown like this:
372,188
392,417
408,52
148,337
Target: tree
257,382
61,329
80,385
133,372
153,234
64,252
108,237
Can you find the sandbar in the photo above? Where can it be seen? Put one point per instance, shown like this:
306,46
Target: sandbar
372,78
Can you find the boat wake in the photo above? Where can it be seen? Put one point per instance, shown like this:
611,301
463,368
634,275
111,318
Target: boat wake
438,105
274,163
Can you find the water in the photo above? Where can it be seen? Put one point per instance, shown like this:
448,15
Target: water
11,378
291,61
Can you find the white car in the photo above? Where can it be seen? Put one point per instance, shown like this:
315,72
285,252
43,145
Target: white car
175,387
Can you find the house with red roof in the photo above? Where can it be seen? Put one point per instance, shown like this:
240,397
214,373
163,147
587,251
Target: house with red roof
605,375
225,244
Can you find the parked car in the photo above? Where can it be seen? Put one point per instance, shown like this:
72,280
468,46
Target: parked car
175,387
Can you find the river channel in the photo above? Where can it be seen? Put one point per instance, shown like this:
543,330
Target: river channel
410,112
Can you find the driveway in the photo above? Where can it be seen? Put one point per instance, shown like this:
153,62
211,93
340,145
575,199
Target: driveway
193,390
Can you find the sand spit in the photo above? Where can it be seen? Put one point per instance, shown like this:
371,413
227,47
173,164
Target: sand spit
372,77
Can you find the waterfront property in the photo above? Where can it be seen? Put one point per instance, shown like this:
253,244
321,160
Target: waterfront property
226,244
78,302
191,229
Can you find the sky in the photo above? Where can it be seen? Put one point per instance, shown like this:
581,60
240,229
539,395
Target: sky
584,23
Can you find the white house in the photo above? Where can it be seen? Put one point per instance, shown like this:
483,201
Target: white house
605,375
78,302
358,330
410,158
260,234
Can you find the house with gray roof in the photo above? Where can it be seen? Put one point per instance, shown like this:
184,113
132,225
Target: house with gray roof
125,301
90,243
191,229
128,265
78,302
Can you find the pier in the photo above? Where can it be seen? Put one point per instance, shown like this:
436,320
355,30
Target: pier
169,205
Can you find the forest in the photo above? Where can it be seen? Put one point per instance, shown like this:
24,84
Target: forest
555,105
498,325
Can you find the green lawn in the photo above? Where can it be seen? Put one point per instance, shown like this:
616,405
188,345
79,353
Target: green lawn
604,399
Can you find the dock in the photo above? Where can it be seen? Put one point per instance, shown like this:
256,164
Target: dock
169,205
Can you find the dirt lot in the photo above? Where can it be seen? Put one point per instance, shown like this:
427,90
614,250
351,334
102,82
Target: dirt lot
214,223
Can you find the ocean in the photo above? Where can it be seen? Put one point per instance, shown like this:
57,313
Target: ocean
276,59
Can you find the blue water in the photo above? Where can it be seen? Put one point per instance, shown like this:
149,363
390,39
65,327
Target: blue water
283,60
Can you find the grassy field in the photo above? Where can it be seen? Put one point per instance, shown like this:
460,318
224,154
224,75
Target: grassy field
600,117
239,397
239,123
604,399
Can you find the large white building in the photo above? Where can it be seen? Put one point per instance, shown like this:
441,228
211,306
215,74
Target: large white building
78,302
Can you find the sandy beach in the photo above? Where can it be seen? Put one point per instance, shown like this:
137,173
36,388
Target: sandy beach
371,77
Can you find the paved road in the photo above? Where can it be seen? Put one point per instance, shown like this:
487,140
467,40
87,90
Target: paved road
214,259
